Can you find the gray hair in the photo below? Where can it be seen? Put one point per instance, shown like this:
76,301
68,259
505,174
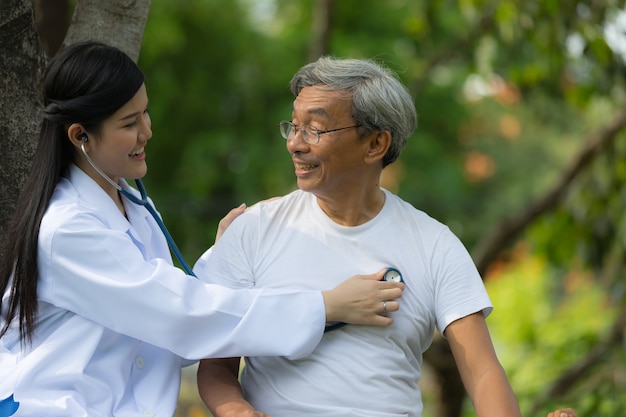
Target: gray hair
379,100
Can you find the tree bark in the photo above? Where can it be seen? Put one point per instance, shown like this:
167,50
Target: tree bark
119,23
52,20
22,60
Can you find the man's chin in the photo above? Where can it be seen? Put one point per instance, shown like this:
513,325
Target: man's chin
304,186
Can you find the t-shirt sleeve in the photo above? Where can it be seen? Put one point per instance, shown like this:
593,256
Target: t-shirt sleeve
226,263
459,289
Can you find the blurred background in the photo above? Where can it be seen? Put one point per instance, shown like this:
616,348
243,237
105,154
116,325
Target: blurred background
520,149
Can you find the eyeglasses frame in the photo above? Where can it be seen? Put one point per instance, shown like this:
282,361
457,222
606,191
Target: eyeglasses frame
316,130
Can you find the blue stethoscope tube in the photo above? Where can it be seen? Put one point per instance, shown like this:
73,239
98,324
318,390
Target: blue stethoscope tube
143,201
170,240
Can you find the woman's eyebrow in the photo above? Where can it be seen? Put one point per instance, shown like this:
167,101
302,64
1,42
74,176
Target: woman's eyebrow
132,115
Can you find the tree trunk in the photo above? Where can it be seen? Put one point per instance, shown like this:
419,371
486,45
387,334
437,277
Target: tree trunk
22,60
52,20
450,390
119,23
320,26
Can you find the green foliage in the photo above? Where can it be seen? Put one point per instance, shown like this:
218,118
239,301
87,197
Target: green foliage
506,91
218,74
217,96
542,328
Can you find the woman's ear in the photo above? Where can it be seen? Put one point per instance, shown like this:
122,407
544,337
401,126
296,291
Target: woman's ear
77,134
379,143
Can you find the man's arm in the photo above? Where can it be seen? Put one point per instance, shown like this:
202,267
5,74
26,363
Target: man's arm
481,372
219,388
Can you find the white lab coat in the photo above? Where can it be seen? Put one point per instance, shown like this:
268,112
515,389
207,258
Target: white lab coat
116,318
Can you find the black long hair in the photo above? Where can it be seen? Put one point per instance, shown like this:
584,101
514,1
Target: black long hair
84,83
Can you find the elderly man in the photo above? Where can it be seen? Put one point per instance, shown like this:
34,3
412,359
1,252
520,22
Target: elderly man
350,119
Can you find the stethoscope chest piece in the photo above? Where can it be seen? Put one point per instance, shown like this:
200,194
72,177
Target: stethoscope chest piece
392,274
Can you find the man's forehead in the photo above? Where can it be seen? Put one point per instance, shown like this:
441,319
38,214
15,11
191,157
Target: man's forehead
321,101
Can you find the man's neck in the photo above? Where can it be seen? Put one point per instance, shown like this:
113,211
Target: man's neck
353,209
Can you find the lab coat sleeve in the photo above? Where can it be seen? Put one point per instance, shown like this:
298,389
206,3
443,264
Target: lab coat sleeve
101,274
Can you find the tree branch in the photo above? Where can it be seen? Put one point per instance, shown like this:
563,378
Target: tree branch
508,230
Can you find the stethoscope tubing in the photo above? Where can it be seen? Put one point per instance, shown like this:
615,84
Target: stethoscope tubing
170,240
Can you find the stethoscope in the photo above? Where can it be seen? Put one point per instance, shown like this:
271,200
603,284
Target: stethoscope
143,201
391,274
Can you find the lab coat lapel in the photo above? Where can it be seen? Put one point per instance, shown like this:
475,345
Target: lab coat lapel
144,229
92,195
140,226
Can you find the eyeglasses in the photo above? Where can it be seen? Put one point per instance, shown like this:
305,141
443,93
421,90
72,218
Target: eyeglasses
310,134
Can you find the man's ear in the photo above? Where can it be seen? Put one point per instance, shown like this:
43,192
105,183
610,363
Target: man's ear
379,143
76,134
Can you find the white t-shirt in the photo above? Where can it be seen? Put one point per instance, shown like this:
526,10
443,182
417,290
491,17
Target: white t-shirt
364,371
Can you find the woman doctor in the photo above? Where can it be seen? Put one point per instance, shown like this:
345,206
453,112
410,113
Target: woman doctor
95,320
